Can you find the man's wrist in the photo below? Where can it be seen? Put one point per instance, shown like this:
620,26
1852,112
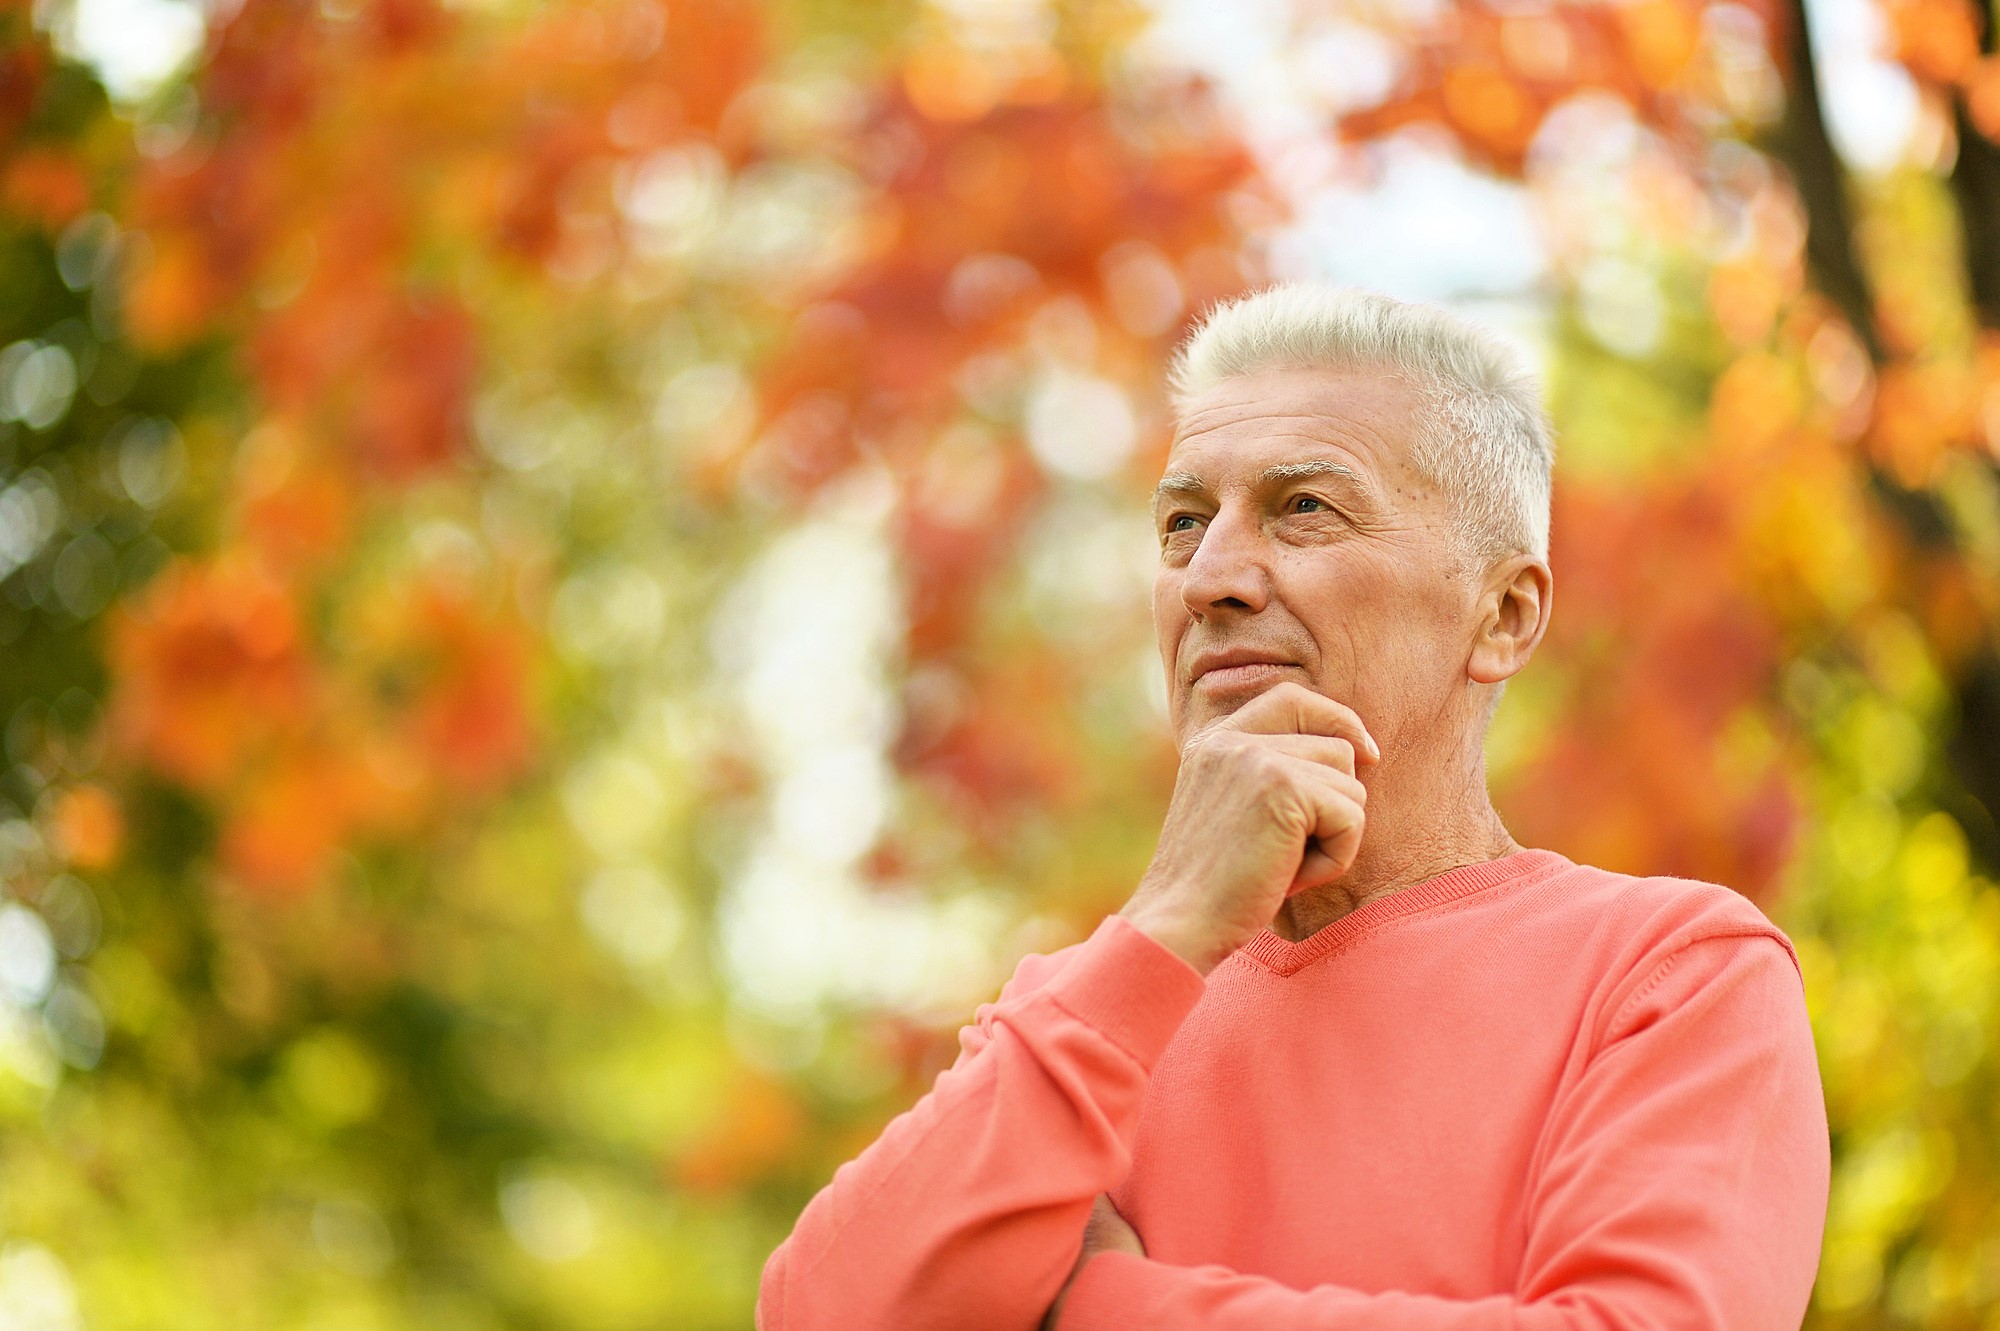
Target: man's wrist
1186,940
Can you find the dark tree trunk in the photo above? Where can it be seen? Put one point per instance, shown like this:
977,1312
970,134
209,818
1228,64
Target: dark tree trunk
1802,144
1975,180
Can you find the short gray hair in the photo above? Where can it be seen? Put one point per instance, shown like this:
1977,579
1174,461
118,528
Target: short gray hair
1485,442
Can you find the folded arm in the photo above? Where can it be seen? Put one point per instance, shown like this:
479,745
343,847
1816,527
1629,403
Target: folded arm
968,1211
1683,1183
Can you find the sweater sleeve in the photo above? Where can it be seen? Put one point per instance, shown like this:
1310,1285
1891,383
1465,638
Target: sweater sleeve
1682,1182
968,1211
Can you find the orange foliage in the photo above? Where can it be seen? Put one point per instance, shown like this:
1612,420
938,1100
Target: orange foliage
1921,411
1982,97
1490,76
945,82
216,691
89,829
23,66
994,218
1005,208
1937,39
954,524
1747,295
172,294
342,157
460,685
295,510
1954,610
1641,777
411,386
50,188
1757,402
283,827
341,148
1660,38
210,668
1490,107
989,743
1986,376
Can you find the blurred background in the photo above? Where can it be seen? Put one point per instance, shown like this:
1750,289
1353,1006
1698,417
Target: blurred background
573,581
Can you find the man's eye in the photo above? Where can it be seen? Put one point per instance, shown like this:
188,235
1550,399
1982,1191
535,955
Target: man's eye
1317,505
1181,522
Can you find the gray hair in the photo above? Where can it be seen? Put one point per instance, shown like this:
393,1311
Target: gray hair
1485,441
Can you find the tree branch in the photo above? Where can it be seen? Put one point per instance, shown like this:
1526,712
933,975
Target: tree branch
1975,182
1801,142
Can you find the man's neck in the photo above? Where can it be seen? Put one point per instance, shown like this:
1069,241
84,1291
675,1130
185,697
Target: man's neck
1412,835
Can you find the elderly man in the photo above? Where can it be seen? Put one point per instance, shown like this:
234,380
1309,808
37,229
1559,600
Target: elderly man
1350,1058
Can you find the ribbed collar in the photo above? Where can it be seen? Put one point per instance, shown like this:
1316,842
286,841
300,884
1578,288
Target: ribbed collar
1286,958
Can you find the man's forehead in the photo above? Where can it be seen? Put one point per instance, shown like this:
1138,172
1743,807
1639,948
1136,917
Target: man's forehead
1266,452
1298,394
1360,419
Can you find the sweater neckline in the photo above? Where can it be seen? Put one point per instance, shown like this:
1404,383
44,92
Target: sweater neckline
1287,958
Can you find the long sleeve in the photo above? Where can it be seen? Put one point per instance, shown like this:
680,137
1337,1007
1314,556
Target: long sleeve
1682,1183
968,1211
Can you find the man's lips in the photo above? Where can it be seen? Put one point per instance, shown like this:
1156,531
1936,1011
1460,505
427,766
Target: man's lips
1224,669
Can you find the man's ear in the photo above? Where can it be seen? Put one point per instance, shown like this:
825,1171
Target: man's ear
1514,614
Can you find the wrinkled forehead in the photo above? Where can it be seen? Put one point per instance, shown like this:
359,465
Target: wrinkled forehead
1367,420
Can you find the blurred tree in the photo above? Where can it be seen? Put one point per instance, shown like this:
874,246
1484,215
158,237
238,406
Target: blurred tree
575,586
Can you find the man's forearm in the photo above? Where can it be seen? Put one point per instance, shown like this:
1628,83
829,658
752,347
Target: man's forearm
969,1210
1119,1290
1684,1185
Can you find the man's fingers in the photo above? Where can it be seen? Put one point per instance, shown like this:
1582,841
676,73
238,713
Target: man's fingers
1292,708
1339,820
1333,752
1335,802
1317,868
1109,1231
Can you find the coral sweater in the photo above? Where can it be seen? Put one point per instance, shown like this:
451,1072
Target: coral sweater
1524,1094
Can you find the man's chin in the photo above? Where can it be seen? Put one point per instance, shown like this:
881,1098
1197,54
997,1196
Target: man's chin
1209,700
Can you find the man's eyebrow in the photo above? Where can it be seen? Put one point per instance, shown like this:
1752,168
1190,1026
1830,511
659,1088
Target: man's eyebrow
1292,471
1185,482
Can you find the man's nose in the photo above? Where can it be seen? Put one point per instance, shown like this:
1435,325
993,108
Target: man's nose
1228,570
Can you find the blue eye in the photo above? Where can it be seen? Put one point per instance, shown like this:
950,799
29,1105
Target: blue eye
1174,523
1318,505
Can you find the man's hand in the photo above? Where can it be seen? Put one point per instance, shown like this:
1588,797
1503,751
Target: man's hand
1106,1231
1266,804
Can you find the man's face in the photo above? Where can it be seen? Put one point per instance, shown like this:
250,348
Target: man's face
1297,542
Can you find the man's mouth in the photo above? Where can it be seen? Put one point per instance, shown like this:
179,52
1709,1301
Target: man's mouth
1231,670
